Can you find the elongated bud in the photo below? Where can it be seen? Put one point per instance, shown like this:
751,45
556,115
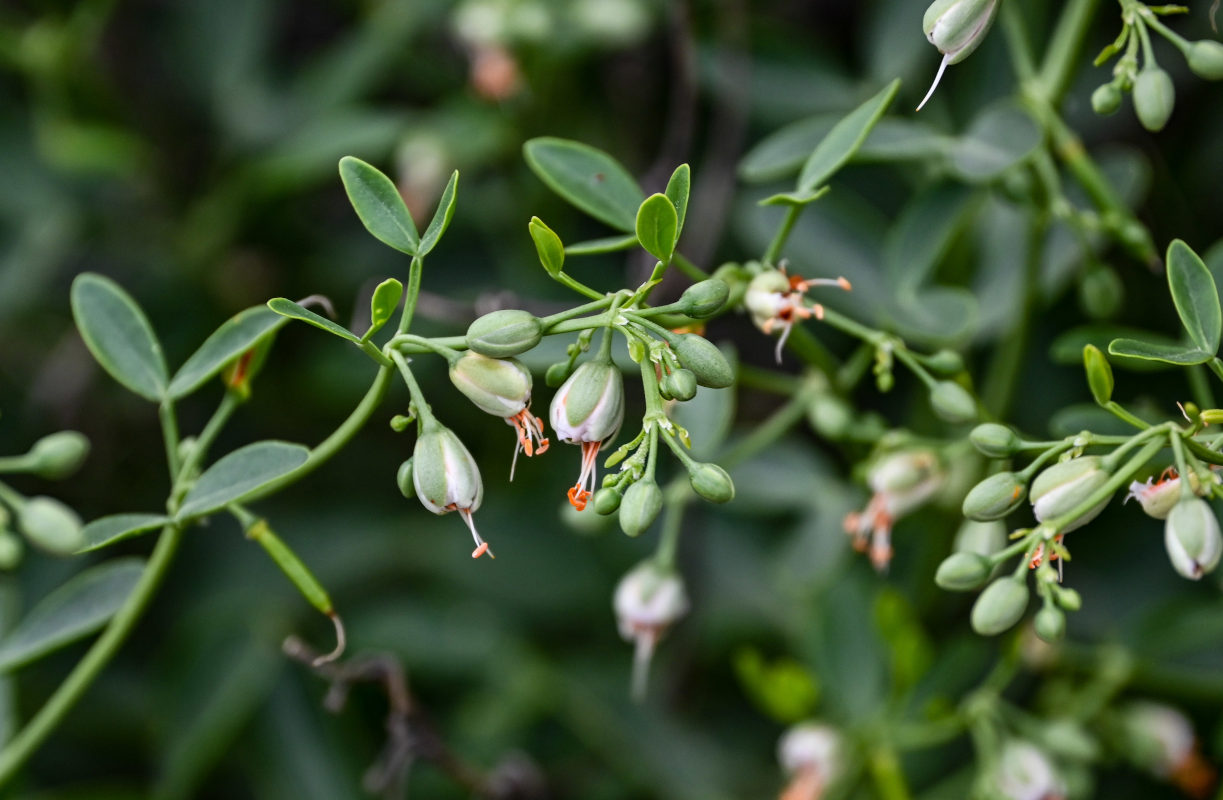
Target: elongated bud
703,300
1062,487
994,497
953,403
1192,537
1070,740
946,362
444,473
1154,98
1000,606
712,483
606,501
58,455
956,28
640,507
497,386
705,360
1050,624
589,406
504,333
963,572
11,550
830,416
1106,99
1206,59
557,374
680,384
994,440
1099,374
403,479
51,526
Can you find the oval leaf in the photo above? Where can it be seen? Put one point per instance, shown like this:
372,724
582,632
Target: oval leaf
383,304
118,334
239,473
237,335
287,308
108,530
783,152
998,139
657,227
1195,295
844,139
608,244
379,205
1182,354
678,189
76,609
441,217
588,178
1099,374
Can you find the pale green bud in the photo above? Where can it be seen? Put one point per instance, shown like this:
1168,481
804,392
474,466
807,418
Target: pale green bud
1050,624
1069,740
952,402
58,455
1206,59
830,416
11,550
403,479
447,479
1154,98
606,501
994,440
703,300
589,406
504,333
946,362
963,572
956,28
704,359
994,497
680,384
712,483
497,386
1062,487
640,507
1000,606
1106,99
982,538
50,525
1192,537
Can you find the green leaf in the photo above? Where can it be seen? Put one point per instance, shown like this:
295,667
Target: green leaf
1196,298
106,531
239,473
796,199
1099,374
835,150
658,226
608,244
287,308
783,152
1181,354
441,217
383,304
118,334
548,245
76,609
999,138
1067,348
678,189
925,231
588,178
238,334
379,205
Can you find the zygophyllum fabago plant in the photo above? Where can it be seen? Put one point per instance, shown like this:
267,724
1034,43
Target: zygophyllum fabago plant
641,468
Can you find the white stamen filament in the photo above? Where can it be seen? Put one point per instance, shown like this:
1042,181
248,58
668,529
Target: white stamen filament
938,77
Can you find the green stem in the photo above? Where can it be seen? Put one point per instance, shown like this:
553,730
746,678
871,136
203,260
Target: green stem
203,442
1061,59
411,294
1017,42
668,538
690,270
1216,366
783,234
423,411
40,726
771,430
1002,376
889,779
1199,385
169,434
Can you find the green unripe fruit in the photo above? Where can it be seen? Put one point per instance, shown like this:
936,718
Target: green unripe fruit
606,501
640,507
1050,624
11,550
830,416
994,497
403,478
504,333
963,572
946,362
680,384
703,300
58,455
712,483
1206,60
994,440
704,359
1106,99
51,526
1101,293
557,374
952,402
1000,606
1154,98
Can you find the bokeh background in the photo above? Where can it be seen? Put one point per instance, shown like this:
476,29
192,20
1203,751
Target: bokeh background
188,149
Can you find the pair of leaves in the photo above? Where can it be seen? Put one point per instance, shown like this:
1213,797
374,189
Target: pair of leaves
381,208
660,218
1197,304
119,336
382,306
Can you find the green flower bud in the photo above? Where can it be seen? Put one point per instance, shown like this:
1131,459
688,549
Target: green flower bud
1060,489
557,374
11,550
994,497
712,483
982,538
1206,60
1069,599
736,279
58,455
994,440
606,501
952,402
963,572
946,362
497,386
447,479
1191,535
704,359
504,333
1050,624
403,479
1106,99
51,526
1000,606
956,28
830,416
640,507
680,384
1069,739
1101,293
703,300
1154,98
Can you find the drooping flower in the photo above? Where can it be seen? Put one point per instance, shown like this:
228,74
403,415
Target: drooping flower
813,755
649,599
587,411
502,387
776,299
901,482
1025,772
1161,740
447,479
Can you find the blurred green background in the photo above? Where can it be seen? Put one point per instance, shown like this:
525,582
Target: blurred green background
188,149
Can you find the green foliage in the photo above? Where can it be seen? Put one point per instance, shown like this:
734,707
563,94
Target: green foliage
241,473
118,334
